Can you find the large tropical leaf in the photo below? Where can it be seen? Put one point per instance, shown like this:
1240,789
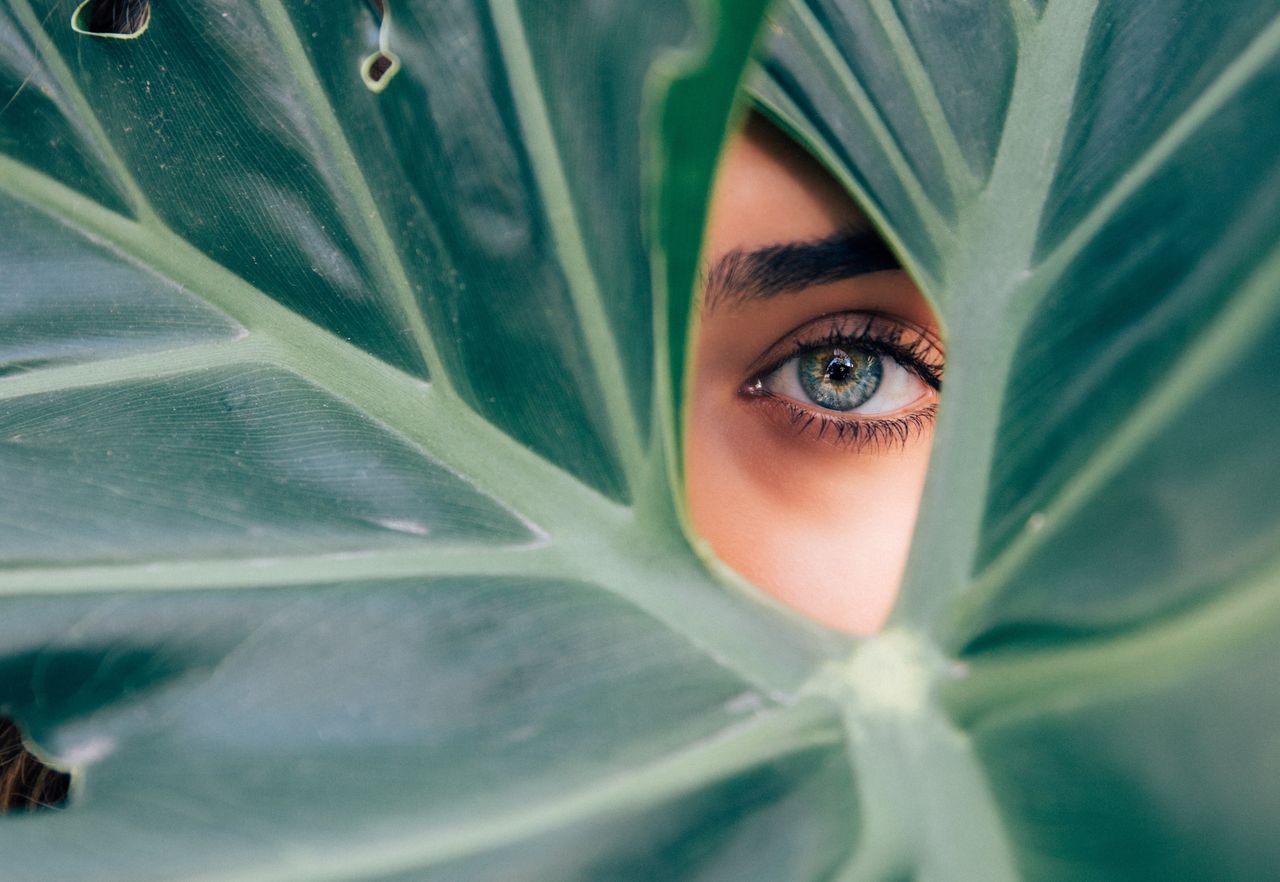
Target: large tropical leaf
1092,194
336,415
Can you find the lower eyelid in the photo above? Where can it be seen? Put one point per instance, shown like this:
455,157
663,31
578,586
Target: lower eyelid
895,372
859,434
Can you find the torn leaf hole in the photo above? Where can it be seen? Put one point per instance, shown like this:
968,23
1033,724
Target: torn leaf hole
27,784
378,66
378,69
117,19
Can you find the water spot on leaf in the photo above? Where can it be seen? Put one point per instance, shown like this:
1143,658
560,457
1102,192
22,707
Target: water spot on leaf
235,399
401,525
116,19
745,703
89,751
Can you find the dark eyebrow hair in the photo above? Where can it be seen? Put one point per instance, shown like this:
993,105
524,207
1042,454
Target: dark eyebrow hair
741,276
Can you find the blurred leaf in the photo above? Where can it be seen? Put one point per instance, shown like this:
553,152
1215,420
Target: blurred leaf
337,419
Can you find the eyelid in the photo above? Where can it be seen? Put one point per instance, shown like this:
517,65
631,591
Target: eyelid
855,434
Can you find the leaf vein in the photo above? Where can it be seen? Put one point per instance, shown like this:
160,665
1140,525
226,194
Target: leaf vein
567,233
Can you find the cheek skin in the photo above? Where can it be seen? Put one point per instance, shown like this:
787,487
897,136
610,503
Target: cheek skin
823,529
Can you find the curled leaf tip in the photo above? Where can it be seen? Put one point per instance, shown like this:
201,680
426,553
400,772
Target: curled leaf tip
378,69
113,19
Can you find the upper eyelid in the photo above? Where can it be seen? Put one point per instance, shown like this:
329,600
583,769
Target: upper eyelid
790,343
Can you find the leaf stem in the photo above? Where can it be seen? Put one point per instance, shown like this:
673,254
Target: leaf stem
998,298
360,568
143,366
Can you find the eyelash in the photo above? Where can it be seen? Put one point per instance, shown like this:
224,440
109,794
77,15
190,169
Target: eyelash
876,334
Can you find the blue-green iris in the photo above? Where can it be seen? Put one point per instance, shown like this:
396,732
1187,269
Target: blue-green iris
838,379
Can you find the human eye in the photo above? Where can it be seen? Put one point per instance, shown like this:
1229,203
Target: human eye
856,379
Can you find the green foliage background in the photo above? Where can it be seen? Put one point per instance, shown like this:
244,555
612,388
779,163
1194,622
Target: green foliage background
337,427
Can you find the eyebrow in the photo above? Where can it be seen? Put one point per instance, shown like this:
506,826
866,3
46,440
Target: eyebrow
743,276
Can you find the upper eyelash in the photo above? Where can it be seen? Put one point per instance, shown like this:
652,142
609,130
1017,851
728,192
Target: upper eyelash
917,355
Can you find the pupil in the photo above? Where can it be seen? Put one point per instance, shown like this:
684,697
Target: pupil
840,367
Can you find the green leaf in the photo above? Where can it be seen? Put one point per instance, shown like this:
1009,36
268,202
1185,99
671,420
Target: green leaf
1090,193
338,420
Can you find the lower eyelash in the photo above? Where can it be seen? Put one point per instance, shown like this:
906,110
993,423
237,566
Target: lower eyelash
854,434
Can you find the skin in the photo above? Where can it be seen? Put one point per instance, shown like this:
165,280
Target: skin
821,525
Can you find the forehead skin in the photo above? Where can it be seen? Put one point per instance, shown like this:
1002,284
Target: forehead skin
769,191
